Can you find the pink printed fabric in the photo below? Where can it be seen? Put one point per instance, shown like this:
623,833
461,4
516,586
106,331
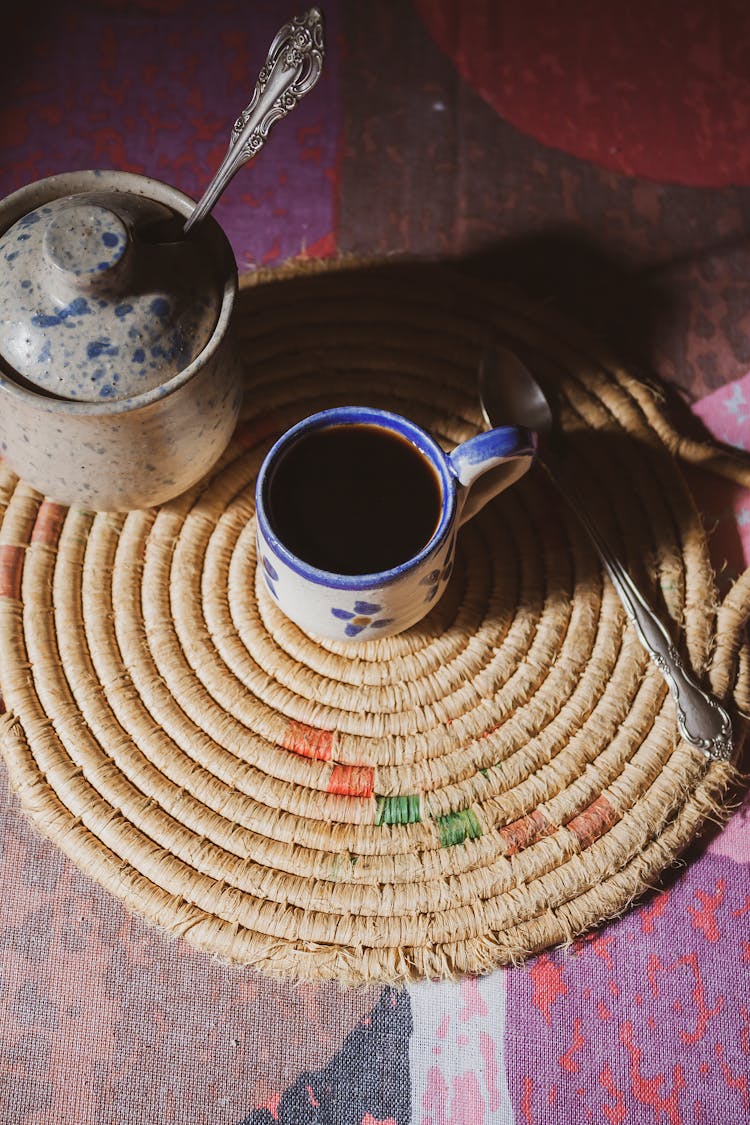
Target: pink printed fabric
726,413
647,1020
726,512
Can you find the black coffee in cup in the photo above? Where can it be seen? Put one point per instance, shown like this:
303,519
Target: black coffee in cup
353,499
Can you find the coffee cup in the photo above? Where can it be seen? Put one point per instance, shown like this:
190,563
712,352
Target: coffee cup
357,511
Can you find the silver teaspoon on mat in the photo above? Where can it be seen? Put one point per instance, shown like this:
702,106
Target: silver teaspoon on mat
293,66
510,395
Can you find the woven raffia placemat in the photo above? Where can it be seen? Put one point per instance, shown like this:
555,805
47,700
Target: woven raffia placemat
495,781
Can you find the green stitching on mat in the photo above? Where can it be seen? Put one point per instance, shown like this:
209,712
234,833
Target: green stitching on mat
456,827
398,810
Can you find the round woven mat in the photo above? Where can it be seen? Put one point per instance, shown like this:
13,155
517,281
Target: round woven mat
495,781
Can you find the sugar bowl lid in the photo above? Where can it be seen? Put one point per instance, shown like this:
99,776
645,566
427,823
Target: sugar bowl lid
102,297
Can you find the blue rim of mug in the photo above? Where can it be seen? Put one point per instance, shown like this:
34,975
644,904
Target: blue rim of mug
359,415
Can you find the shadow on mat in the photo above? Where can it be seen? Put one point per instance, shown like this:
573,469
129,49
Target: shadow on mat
622,481
561,283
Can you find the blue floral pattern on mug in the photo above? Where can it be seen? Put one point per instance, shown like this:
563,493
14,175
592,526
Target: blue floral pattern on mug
361,617
438,576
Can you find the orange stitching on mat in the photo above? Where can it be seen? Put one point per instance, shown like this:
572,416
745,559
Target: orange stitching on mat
48,523
594,821
11,566
352,781
310,742
521,833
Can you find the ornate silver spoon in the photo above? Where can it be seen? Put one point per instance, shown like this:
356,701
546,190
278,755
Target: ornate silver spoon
510,395
293,66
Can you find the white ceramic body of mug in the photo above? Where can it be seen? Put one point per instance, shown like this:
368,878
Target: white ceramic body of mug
365,606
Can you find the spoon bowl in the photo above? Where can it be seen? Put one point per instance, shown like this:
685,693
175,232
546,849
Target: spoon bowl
508,390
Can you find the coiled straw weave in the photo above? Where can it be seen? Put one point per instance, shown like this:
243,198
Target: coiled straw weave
495,781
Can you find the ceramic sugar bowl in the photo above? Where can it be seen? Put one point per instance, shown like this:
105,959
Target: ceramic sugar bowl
119,388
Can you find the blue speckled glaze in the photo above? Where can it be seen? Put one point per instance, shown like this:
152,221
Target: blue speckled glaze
76,308
83,287
132,441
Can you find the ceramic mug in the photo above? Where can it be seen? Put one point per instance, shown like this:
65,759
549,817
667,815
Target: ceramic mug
145,445
357,511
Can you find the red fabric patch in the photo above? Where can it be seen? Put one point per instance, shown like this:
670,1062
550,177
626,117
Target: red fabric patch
324,247
549,986
643,89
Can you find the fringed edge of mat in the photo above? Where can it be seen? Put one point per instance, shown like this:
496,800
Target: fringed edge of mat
710,803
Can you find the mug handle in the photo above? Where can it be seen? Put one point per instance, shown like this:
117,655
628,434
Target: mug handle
489,463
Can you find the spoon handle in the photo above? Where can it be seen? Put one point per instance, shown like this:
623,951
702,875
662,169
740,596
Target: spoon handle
293,66
701,719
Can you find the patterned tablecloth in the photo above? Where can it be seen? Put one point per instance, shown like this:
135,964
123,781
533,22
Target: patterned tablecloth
597,156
